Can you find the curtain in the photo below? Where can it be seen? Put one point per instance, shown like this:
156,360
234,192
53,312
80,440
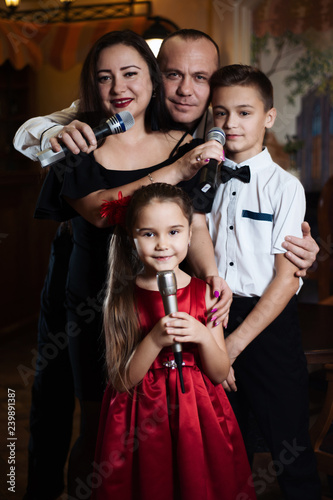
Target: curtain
277,16
61,45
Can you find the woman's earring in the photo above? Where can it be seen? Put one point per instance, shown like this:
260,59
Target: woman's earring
153,94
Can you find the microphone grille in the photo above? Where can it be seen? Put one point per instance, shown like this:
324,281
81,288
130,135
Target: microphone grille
216,134
127,118
167,283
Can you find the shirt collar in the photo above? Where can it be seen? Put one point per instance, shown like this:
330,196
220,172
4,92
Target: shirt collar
256,163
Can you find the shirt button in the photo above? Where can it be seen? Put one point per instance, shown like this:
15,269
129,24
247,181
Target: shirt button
233,193
231,263
231,227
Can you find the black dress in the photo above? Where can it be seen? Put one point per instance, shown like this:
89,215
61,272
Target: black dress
88,263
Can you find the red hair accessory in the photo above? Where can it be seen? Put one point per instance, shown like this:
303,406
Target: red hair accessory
115,211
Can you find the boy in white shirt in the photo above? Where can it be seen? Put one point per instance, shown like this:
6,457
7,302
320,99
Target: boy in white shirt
256,204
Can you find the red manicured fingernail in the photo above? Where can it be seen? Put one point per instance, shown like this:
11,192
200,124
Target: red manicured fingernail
216,293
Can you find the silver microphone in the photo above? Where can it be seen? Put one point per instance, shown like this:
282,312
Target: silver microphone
208,172
167,285
116,124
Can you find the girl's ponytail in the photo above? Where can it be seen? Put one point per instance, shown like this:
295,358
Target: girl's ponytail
120,320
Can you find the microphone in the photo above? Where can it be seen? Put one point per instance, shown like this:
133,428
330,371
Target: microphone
205,192
116,124
167,285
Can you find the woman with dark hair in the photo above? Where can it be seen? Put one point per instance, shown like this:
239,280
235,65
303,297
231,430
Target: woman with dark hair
120,73
90,102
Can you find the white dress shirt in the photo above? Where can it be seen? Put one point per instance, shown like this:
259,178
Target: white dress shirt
27,139
249,222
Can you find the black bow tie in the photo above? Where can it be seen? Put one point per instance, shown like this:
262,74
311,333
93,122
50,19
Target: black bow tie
242,173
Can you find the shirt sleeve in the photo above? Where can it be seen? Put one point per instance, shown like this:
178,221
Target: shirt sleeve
27,139
289,212
190,185
74,177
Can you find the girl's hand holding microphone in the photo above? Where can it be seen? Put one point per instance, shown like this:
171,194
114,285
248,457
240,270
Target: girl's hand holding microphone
181,327
184,328
178,327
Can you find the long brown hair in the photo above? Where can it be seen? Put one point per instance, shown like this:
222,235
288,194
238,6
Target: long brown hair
91,108
121,323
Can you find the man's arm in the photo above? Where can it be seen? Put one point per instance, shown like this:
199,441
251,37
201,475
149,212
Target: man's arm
301,251
273,301
202,261
27,139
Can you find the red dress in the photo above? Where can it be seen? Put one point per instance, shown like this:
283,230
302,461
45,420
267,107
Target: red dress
158,443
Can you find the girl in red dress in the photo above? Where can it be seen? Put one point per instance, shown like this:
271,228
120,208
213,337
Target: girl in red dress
156,442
